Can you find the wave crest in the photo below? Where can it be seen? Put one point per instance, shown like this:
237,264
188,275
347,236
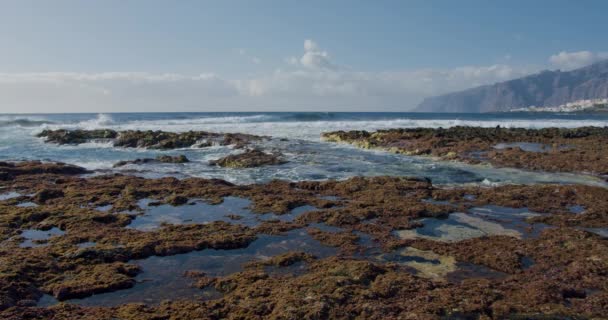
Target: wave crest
23,122
102,120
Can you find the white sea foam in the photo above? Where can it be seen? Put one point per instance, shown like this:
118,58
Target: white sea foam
311,130
101,121
93,164
90,145
308,159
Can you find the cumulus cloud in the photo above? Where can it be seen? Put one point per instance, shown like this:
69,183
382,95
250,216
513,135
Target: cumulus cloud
572,60
314,57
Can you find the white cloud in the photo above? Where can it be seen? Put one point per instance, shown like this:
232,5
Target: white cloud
413,84
572,60
292,61
310,45
313,82
314,57
113,91
302,89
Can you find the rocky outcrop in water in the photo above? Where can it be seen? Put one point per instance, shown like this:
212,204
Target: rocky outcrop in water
149,139
249,159
10,170
159,159
63,136
549,149
548,88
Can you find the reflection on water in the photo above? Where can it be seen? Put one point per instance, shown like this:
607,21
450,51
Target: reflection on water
525,146
232,209
105,208
424,263
36,238
163,277
602,232
577,209
290,216
88,244
430,265
532,147
46,300
465,270
27,205
9,195
477,222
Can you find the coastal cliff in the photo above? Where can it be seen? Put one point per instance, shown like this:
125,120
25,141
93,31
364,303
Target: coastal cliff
547,88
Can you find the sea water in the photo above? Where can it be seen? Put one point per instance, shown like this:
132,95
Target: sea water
295,135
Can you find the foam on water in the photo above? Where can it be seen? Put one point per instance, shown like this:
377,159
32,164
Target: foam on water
309,158
292,126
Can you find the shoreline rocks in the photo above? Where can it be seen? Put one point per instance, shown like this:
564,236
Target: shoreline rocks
580,150
149,139
566,277
249,159
159,159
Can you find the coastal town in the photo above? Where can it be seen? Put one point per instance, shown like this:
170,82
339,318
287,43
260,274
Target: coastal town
575,106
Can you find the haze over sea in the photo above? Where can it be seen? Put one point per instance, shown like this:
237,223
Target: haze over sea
295,134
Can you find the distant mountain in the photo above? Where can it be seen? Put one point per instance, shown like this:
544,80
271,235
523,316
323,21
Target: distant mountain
547,88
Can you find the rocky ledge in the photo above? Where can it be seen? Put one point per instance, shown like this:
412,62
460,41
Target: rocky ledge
550,149
249,159
553,268
149,139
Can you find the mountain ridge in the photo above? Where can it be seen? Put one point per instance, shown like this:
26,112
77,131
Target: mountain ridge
546,88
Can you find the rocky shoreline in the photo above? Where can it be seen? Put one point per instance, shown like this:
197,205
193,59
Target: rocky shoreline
249,159
551,264
579,150
161,140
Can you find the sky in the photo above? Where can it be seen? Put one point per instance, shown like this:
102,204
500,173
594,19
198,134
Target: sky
159,56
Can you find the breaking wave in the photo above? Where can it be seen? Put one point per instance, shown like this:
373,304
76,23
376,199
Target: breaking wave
23,122
308,126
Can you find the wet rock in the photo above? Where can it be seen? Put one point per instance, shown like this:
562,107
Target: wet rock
43,196
63,136
428,264
346,240
10,170
159,159
176,200
149,139
563,150
249,159
160,139
285,259
172,159
202,280
89,280
567,279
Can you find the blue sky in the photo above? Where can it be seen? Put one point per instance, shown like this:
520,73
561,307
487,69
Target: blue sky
254,55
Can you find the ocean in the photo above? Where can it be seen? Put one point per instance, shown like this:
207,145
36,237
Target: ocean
295,134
